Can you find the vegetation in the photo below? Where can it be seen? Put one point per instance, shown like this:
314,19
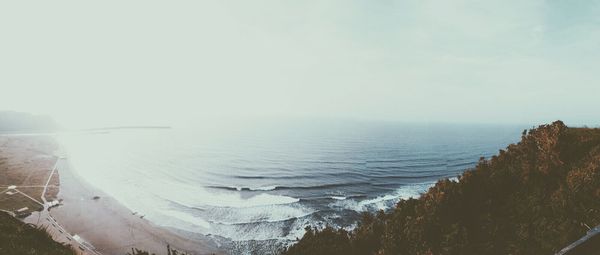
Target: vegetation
535,197
141,252
18,238
17,201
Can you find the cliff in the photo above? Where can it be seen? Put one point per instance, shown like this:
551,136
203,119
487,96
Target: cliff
535,197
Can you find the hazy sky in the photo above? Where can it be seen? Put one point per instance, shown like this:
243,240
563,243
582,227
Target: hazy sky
104,63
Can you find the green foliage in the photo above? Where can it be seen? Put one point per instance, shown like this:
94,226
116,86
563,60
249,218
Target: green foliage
19,238
327,241
535,197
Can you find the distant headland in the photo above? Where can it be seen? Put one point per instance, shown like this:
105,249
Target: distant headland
126,127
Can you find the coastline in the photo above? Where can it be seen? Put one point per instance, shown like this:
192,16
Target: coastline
111,227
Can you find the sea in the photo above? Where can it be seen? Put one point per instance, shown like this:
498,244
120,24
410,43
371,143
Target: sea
254,187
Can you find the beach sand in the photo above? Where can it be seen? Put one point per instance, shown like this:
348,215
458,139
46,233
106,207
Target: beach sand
28,162
112,228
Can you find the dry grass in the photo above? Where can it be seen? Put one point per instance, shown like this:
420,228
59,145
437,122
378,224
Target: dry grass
27,162
52,193
34,192
17,201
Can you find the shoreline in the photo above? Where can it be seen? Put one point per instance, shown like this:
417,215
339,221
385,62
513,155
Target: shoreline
110,227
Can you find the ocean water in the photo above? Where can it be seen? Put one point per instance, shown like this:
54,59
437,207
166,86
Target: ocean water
265,182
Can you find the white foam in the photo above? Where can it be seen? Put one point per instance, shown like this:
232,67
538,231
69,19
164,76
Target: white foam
265,188
263,231
195,196
237,201
261,188
187,218
386,201
338,197
270,213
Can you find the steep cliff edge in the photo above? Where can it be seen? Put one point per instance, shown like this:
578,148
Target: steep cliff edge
535,197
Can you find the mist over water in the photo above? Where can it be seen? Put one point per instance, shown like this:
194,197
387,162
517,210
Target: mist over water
268,181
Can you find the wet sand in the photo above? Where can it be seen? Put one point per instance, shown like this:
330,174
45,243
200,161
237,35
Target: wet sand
112,228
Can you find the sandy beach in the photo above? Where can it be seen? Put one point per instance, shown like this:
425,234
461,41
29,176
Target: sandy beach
87,219
112,228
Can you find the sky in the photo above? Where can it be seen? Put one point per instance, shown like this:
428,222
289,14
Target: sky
110,63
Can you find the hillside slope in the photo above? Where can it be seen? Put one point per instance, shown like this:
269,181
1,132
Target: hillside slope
19,238
535,197
25,122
